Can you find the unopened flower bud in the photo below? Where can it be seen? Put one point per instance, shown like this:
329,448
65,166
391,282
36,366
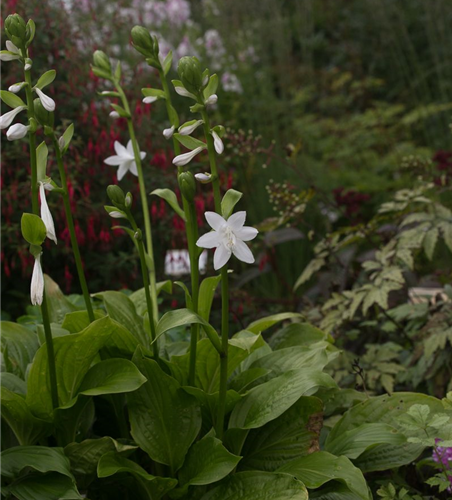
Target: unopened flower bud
190,73
16,87
101,60
116,195
16,29
204,178
143,42
28,64
212,99
128,201
43,116
187,185
138,235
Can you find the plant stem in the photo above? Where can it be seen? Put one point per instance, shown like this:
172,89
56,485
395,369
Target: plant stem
70,223
35,208
191,229
144,202
224,284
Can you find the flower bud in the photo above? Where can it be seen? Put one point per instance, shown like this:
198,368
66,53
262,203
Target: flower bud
17,131
128,201
138,235
16,29
102,61
116,195
142,41
43,116
187,185
30,30
189,70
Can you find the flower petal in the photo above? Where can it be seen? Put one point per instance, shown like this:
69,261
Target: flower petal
187,130
11,47
209,240
184,92
150,99
17,131
221,256
130,148
7,118
5,56
185,158
212,99
242,252
46,216
218,143
114,160
133,168
121,150
37,283
203,178
237,220
123,169
47,102
168,133
142,155
215,220
247,233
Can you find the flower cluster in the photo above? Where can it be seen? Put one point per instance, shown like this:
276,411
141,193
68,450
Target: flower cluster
443,455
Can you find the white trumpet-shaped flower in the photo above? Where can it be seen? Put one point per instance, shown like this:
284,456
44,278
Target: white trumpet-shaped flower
124,159
184,92
17,131
7,118
217,142
168,132
212,99
16,87
189,129
14,52
37,283
150,99
204,178
46,216
47,102
228,237
185,158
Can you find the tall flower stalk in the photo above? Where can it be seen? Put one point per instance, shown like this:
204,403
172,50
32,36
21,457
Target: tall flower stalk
21,35
102,68
148,46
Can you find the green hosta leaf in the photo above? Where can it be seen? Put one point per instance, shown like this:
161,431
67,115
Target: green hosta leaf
67,137
112,376
206,295
297,334
354,442
84,457
139,297
11,100
153,93
33,229
77,321
166,66
294,434
55,330
384,410
18,346
121,309
13,383
120,110
112,463
39,458
171,198
258,486
182,317
189,142
51,486
41,160
263,324
57,304
73,357
229,201
207,461
321,467
25,426
165,420
188,299
211,86
268,401
46,79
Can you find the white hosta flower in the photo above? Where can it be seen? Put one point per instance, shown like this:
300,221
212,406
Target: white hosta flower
185,158
217,142
7,118
212,99
14,52
188,129
16,87
46,216
124,159
17,131
37,283
204,178
228,237
184,92
47,102
114,115
150,99
116,214
168,132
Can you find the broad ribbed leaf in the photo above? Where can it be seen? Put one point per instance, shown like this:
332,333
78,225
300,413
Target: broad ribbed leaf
321,467
206,294
13,383
19,346
171,198
258,486
297,334
51,486
57,304
264,323
165,420
139,297
77,321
